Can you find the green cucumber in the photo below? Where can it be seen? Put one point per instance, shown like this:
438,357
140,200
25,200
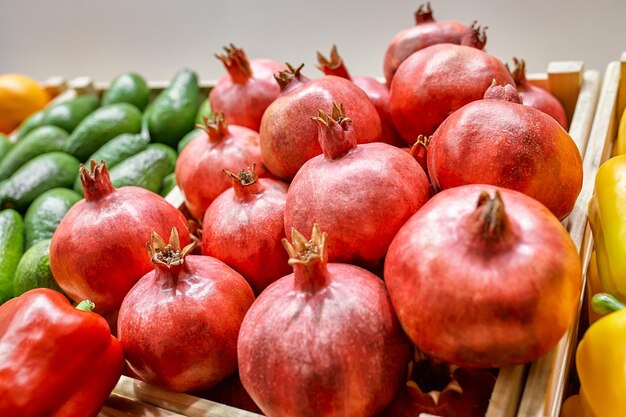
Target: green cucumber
173,113
45,213
145,169
203,111
69,114
122,147
5,146
41,140
188,137
168,184
11,250
33,271
101,126
127,88
43,173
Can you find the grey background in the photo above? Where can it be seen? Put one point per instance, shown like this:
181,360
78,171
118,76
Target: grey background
156,37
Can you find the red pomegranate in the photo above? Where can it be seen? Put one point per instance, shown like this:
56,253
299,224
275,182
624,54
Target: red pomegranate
427,32
537,97
179,324
289,139
97,252
483,277
510,145
245,92
438,80
200,166
377,92
243,228
442,389
363,193
323,341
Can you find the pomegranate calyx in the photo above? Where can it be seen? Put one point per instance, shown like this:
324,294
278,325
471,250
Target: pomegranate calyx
284,78
476,37
420,145
424,14
215,126
96,182
246,182
308,259
333,132
431,378
170,254
519,71
490,216
505,92
333,65
236,64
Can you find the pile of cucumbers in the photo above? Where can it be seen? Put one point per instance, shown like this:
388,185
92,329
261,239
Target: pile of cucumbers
138,138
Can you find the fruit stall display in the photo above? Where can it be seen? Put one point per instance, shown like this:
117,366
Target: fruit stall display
334,185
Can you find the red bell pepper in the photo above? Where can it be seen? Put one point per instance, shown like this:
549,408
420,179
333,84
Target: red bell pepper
56,360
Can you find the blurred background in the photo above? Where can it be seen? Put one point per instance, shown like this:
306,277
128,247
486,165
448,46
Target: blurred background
156,37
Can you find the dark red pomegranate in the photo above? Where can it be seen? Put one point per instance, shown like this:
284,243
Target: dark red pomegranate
442,389
483,277
179,324
425,33
323,341
363,193
245,92
289,139
200,166
510,145
438,80
537,97
98,252
377,92
243,228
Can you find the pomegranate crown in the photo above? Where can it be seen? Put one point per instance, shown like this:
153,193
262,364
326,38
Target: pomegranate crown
476,37
97,182
214,125
333,61
519,70
303,251
445,370
337,114
491,216
236,63
424,13
244,177
422,140
284,77
169,254
505,92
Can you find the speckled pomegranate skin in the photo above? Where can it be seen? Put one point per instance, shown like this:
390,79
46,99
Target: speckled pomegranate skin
438,80
180,331
335,352
508,145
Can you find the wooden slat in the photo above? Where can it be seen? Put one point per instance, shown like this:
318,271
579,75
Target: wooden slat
118,406
545,385
184,404
621,100
507,392
563,79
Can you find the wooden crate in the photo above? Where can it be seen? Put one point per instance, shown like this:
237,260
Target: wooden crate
546,400
578,92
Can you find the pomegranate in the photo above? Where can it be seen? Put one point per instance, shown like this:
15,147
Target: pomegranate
199,167
510,145
438,80
243,228
377,92
179,324
537,97
97,252
363,193
231,392
442,389
289,139
426,32
323,341
483,277
245,92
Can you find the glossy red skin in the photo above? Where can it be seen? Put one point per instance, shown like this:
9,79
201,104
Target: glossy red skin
542,100
57,361
418,37
477,386
337,352
244,104
509,145
200,166
288,136
247,234
180,333
480,305
436,81
379,95
98,251
363,197
231,392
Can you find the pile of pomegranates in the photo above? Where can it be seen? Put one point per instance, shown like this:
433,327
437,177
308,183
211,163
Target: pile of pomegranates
435,253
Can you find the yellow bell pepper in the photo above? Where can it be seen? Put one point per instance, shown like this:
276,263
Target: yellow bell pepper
601,363
594,286
620,145
607,217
